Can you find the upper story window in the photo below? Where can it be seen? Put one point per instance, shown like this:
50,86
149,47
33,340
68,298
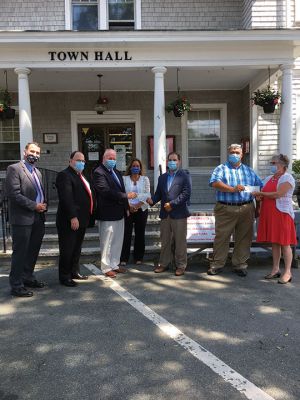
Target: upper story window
93,15
121,14
85,15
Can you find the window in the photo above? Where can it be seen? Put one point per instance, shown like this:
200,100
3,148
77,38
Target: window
9,142
93,15
204,135
121,14
85,15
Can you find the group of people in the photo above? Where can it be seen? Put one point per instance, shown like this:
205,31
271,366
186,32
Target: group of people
121,203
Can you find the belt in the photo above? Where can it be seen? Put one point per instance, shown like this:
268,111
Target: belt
235,204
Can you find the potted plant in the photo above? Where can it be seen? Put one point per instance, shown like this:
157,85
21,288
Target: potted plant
179,106
6,112
267,98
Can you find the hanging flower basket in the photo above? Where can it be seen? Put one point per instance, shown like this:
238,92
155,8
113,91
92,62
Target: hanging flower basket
267,98
179,106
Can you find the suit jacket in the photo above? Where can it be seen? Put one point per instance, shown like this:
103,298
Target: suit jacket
112,203
178,195
73,198
21,193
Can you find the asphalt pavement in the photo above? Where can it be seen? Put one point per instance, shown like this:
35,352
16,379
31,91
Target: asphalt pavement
89,343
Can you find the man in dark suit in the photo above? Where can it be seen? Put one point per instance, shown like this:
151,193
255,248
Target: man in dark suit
112,206
75,208
27,206
174,191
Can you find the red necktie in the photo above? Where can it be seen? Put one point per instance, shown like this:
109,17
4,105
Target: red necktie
89,192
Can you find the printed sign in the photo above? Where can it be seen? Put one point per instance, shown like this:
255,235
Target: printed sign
200,229
120,149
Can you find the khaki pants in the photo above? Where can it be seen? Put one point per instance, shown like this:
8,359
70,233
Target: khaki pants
237,220
173,242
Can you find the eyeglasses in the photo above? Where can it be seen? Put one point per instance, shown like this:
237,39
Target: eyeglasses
273,163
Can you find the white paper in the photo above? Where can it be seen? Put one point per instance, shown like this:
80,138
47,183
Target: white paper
250,189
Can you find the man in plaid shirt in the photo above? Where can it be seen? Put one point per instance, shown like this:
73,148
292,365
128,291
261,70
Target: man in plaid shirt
234,211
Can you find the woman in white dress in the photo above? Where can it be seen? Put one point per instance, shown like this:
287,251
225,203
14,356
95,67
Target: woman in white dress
135,181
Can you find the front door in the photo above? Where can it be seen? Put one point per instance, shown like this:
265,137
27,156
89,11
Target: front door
95,138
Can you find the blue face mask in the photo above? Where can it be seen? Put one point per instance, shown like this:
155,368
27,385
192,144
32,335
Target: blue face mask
172,165
79,166
110,164
234,158
273,169
135,170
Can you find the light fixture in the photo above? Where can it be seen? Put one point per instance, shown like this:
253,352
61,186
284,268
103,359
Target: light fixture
102,101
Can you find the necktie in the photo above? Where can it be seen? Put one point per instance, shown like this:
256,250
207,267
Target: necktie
38,187
89,192
115,178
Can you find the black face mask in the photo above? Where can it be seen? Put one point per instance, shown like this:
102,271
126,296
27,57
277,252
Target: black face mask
32,159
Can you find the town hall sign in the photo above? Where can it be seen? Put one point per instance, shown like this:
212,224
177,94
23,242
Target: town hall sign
89,56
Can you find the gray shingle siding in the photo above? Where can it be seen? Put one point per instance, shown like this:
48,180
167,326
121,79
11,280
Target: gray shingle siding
192,14
32,15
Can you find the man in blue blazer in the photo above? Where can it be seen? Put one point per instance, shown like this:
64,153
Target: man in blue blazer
174,192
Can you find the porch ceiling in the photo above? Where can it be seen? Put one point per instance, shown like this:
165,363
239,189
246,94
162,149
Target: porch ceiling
122,79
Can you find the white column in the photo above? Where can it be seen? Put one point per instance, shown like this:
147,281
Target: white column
286,113
159,122
25,122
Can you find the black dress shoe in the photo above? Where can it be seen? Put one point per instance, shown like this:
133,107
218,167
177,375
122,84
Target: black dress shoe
241,272
34,284
21,292
68,282
80,277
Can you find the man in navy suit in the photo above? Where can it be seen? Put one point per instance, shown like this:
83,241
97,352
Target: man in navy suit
27,207
112,207
174,192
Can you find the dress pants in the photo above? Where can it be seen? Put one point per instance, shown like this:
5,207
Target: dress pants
26,244
173,242
139,220
237,220
70,243
111,239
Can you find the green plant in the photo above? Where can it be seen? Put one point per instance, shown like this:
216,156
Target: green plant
180,105
296,168
266,96
5,100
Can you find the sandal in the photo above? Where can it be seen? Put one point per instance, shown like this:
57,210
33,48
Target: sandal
274,276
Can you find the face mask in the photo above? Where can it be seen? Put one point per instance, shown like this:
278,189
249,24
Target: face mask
273,169
234,158
79,166
172,165
135,170
32,159
110,164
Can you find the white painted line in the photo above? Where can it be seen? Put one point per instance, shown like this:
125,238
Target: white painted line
4,275
236,380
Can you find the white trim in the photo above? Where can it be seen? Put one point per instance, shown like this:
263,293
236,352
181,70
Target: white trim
103,14
68,17
109,117
254,138
297,11
138,14
223,136
298,127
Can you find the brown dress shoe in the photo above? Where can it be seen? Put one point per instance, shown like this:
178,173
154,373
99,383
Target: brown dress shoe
120,270
110,274
179,271
160,268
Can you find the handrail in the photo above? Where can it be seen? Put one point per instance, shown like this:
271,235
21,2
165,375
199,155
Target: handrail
48,180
